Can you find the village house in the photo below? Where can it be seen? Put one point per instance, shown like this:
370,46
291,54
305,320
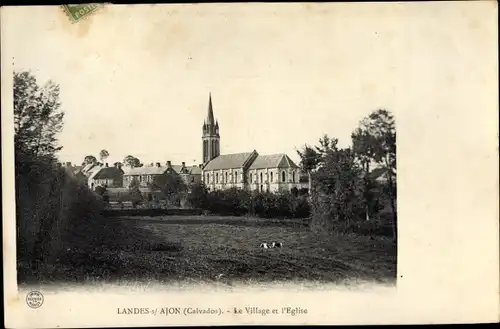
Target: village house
248,170
108,177
145,175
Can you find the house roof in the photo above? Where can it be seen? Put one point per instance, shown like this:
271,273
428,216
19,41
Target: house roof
88,167
194,170
108,173
93,171
273,161
146,170
154,170
177,168
229,161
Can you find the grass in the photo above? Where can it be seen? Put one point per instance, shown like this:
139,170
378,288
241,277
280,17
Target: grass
207,249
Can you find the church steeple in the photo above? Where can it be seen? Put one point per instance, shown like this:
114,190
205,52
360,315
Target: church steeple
211,138
210,117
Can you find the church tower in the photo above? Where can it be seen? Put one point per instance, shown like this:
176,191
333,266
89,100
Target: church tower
211,138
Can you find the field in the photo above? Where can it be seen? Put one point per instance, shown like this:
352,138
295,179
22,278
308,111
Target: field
204,249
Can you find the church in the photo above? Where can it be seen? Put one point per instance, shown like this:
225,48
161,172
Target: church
246,170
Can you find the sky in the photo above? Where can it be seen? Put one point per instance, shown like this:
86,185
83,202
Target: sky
135,79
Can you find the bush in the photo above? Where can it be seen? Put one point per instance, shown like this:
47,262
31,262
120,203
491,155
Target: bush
237,202
301,207
197,196
228,202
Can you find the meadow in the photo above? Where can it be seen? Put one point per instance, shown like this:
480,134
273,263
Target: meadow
204,249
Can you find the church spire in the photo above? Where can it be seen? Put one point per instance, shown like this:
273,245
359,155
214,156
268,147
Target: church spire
210,137
210,117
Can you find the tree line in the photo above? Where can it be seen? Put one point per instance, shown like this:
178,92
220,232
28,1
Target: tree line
130,160
51,206
238,202
351,185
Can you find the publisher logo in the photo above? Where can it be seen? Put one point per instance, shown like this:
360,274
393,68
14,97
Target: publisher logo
34,299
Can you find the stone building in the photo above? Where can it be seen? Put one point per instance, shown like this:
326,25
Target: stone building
249,170
145,174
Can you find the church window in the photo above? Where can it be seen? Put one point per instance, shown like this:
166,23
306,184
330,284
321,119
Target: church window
261,178
226,176
236,177
217,177
271,176
251,178
293,177
283,176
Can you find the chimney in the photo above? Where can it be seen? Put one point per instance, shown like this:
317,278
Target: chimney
106,165
169,164
183,164
158,164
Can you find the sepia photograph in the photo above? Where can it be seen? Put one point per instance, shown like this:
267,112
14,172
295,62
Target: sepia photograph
216,145
107,191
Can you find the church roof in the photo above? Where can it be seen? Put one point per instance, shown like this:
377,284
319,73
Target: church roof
230,161
273,161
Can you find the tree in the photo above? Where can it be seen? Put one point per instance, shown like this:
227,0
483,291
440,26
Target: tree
135,193
364,145
171,185
338,200
197,197
89,159
131,161
37,116
376,140
325,144
309,160
103,155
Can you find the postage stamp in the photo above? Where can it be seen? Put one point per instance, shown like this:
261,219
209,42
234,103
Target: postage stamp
78,12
